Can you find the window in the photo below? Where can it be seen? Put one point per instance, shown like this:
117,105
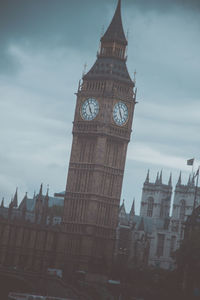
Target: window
150,207
182,210
160,244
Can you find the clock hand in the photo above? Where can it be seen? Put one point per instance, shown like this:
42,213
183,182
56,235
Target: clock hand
120,112
89,107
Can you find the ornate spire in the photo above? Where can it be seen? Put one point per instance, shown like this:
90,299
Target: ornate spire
15,200
160,179
115,31
179,180
24,207
132,212
40,193
147,178
46,199
112,54
122,206
170,180
157,178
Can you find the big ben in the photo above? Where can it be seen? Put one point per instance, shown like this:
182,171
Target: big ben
101,133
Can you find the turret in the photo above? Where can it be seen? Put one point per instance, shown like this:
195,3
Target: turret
160,179
45,208
24,207
39,205
132,212
170,180
179,180
147,178
157,179
15,199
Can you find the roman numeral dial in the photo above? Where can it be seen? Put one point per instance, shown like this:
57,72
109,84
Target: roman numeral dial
89,109
120,113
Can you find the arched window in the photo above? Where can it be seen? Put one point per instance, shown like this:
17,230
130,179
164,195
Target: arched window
164,208
182,210
150,207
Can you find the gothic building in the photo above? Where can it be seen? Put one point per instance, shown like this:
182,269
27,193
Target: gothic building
101,132
30,235
144,240
155,232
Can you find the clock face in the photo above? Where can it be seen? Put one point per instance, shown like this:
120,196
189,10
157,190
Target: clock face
120,113
89,109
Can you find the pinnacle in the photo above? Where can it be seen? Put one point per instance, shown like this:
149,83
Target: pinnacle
115,31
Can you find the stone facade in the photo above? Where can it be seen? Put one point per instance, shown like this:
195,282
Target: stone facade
31,236
154,231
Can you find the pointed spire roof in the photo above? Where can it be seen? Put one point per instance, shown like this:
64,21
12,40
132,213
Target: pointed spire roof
15,199
160,179
24,207
170,180
11,203
122,206
147,178
179,179
157,178
40,193
115,31
132,212
46,199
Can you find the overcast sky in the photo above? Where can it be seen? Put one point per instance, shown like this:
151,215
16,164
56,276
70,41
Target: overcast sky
44,45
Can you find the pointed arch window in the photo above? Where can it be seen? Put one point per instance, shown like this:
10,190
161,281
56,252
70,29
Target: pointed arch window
182,210
164,208
150,204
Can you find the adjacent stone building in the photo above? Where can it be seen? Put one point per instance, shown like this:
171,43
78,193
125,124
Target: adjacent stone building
155,232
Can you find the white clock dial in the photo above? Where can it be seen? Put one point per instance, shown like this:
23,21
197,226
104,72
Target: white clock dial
120,113
89,109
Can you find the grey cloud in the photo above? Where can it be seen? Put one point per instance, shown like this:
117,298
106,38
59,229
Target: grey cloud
50,23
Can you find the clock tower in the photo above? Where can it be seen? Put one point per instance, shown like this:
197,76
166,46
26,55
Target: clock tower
101,132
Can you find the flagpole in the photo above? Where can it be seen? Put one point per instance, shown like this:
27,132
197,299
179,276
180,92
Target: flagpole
196,189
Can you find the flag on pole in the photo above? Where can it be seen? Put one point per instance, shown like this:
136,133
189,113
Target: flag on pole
190,162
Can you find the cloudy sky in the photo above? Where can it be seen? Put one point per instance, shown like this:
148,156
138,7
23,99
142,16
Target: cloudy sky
44,45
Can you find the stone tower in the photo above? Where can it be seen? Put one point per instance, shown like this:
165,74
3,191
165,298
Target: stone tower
183,204
101,132
156,198
184,196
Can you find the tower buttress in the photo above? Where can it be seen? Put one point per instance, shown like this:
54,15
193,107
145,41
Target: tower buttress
156,198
